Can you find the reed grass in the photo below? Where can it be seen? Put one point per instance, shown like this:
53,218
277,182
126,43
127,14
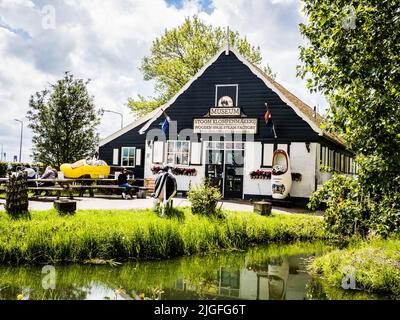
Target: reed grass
376,266
141,234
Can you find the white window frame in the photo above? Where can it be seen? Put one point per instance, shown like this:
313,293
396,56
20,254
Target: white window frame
155,146
268,152
122,157
176,152
227,85
115,156
196,146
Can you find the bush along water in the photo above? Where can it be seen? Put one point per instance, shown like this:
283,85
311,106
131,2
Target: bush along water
356,211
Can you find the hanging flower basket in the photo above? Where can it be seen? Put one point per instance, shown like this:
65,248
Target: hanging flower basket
176,171
266,175
260,174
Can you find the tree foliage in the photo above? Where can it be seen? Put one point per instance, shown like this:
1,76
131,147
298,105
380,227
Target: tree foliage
353,57
180,53
63,119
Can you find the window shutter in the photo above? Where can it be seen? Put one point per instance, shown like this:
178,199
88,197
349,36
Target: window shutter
158,152
115,156
267,154
138,157
195,153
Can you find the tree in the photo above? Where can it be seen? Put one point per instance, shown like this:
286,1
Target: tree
63,119
353,57
180,53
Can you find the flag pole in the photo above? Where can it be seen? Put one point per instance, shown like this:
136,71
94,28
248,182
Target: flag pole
273,124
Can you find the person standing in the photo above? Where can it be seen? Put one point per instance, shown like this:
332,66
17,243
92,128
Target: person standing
123,182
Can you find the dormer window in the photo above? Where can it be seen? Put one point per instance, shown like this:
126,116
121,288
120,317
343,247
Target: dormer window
226,95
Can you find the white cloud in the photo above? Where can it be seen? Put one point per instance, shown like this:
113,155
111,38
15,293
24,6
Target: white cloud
105,41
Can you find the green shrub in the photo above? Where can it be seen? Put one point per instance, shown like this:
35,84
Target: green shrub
3,169
16,166
204,198
355,211
347,212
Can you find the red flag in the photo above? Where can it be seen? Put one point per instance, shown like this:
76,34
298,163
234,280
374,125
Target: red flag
267,116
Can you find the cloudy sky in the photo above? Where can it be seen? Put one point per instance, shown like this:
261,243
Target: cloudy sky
105,40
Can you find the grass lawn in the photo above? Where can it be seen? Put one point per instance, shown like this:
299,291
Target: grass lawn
376,265
141,234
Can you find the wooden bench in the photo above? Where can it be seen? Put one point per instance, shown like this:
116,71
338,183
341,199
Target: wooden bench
58,190
90,188
150,184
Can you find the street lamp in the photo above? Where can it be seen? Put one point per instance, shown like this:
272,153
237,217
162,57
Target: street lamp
20,141
1,152
121,115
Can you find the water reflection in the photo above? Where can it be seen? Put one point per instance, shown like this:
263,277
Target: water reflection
267,273
276,278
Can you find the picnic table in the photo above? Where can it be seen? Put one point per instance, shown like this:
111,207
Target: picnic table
82,185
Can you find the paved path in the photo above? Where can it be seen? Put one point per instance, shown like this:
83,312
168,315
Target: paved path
120,204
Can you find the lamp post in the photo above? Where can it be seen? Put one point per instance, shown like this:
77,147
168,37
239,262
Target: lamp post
20,141
120,114
2,152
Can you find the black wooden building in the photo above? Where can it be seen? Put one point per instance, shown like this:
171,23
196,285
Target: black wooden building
218,128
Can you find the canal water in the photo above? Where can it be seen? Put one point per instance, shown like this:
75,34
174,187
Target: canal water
261,273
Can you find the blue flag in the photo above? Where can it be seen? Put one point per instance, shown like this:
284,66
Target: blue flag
165,125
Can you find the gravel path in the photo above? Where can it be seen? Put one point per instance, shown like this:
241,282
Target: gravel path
120,204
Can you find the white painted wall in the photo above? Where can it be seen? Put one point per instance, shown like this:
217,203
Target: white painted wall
303,162
252,161
183,182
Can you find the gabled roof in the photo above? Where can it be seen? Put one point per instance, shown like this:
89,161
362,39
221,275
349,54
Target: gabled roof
306,109
302,109
128,128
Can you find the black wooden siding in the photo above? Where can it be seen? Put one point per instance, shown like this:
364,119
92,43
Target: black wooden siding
253,94
130,139
200,96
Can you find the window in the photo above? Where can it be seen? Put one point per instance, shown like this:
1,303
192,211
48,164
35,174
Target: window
128,156
178,152
268,151
226,94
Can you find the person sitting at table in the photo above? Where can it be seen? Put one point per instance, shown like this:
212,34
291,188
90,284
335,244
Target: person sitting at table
31,174
123,182
49,174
